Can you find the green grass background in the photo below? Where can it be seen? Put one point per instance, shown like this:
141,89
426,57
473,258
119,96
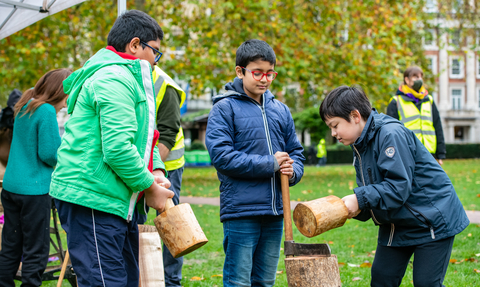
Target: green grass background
354,243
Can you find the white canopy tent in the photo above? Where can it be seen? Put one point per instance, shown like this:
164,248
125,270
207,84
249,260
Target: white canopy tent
18,14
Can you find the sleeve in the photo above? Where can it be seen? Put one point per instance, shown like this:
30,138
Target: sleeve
48,136
294,149
437,124
118,129
168,117
397,172
392,109
220,144
157,161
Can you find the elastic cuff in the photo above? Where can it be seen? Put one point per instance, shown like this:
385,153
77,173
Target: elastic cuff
146,183
292,180
276,166
360,198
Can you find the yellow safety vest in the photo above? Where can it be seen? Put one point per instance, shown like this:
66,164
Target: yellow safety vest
175,159
421,123
321,150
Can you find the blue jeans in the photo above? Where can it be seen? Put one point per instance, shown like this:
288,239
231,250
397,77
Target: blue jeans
252,249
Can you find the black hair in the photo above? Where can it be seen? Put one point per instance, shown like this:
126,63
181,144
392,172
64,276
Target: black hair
343,100
253,50
133,24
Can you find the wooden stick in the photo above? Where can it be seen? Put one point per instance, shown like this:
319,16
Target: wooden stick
287,214
64,268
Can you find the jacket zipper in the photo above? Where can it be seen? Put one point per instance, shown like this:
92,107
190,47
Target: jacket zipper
363,180
267,135
426,222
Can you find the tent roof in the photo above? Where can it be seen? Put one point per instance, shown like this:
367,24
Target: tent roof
18,14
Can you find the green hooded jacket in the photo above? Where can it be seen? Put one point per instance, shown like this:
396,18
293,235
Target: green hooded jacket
104,155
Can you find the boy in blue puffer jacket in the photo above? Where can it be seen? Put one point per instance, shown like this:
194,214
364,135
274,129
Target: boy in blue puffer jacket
401,187
250,136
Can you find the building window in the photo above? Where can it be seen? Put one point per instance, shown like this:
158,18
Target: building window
455,37
432,64
429,39
431,6
456,99
456,67
459,133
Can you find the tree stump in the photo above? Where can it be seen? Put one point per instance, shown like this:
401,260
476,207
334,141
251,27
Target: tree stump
150,258
317,216
313,271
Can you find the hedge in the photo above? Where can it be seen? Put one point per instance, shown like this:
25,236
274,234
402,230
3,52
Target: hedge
453,151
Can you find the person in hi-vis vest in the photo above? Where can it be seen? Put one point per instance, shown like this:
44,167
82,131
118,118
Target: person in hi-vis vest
415,108
170,97
321,153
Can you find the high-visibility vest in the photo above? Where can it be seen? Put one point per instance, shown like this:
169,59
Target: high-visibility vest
175,159
321,150
420,122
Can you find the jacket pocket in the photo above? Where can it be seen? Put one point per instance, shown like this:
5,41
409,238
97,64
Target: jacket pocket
101,170
422,218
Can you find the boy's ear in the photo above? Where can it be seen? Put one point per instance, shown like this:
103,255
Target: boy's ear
355,116
239,72
133,46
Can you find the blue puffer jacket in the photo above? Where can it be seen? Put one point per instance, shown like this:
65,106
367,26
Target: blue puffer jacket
402,187
242,138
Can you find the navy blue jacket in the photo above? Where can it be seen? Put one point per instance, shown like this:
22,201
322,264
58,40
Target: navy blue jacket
242,138
402,187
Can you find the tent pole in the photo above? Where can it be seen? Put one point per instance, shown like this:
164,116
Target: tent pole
121,7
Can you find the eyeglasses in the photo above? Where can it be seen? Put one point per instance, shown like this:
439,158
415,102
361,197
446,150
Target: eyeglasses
258,76
157,52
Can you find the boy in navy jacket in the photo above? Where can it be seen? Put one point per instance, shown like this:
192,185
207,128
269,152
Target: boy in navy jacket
401,187
250,136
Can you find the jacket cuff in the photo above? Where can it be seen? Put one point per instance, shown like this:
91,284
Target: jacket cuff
276,166
441,156
292,180
146,183
359,192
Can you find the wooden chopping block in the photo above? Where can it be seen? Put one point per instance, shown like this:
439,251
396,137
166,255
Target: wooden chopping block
150,257
306,271
320,215
179,229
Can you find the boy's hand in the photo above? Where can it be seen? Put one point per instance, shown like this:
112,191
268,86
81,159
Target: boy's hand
161,179
351,203
281,157
156,196
287,168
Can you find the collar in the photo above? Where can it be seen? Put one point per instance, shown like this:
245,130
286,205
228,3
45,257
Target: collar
121,54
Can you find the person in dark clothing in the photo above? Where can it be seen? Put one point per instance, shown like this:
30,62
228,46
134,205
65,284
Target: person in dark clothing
400,187
6,125
424,119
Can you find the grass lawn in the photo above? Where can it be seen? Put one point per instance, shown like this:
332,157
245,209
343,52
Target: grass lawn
354,243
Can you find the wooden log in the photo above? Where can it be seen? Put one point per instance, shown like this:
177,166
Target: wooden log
179,229
150,258
314,271
317,216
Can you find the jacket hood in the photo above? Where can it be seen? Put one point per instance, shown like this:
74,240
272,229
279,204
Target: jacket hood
235,89
374,123
73,84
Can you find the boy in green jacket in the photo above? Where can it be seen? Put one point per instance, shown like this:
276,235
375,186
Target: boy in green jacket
108,155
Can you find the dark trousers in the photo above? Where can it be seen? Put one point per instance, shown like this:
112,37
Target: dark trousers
173,266
26,232
429,264
103,247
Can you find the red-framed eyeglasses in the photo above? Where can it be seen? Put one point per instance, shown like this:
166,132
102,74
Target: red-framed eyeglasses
258,76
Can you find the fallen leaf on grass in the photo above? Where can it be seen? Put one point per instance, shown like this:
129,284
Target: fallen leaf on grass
469,235
476,270
478,254
280,272
353,265
453,260
471,259
217,275
341,264
196,278
330,242
366,265
356,278
478,195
